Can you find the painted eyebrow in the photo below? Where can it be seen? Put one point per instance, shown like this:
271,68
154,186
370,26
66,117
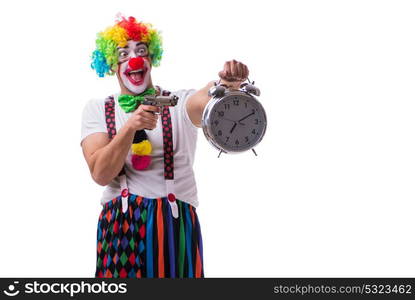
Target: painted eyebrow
126,47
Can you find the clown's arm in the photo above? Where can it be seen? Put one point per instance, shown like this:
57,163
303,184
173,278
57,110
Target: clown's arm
106,158
232,75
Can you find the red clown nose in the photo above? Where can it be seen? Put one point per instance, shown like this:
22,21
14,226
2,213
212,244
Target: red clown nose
136,63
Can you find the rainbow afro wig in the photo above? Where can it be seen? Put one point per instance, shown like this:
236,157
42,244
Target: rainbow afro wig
105,56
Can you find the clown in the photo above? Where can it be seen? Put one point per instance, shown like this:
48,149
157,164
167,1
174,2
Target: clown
143,155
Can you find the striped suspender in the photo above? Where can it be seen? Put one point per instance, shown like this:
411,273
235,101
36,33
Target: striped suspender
110,121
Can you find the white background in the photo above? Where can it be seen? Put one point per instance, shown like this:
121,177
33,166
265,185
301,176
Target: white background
332,190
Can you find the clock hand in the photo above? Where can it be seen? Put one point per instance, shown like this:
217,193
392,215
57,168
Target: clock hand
246,117
233,121
233,127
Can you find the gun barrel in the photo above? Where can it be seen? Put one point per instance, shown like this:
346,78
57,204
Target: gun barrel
160,100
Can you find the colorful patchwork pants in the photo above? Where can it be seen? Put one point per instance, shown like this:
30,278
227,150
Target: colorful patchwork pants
147,241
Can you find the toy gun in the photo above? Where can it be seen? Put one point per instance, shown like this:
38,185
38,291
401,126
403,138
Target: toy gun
160,101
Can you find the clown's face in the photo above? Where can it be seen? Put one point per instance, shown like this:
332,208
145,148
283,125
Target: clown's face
134,67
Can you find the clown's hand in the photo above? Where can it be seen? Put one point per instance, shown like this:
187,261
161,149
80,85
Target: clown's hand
144,117
233,74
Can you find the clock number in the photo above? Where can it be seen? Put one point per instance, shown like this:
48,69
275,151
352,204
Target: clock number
227,106
227,139
220,132
236,142
246,105
221,113
253,131
246,139
256,121
216,122
235,102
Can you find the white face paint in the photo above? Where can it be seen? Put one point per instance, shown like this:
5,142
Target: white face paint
136,81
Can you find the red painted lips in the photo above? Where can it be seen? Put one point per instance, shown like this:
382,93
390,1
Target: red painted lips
136,70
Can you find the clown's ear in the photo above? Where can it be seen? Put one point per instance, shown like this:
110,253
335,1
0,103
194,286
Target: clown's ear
114,68
150,60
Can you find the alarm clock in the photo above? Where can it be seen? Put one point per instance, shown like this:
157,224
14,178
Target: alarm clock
234,121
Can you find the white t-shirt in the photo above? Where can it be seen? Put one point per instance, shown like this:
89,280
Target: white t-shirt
150,182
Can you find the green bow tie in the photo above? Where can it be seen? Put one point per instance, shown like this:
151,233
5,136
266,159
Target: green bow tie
130,102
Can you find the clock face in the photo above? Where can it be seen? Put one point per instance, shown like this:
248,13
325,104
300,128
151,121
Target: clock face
237,122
